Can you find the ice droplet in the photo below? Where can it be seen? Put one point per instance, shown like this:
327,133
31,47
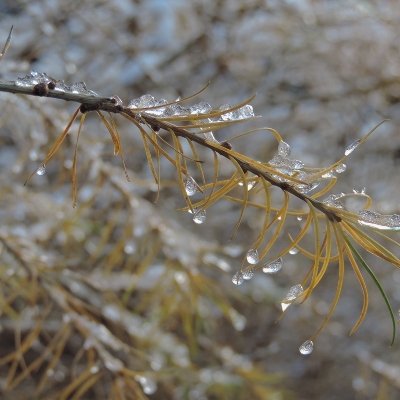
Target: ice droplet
227,116
248,274
41,170
199,217
340,168
95,369
201,108
252,256
307,347
352,147
237,279
190,186
293,293
246,112
273,266
283,149
293,250
210,136
149,386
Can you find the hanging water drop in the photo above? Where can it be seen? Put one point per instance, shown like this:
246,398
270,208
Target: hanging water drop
283,149
307,347
149,386
293,250
273,266
293,293
299,218
199,217
238,278
340,168
352,147
248,274
190,186
252,256
41,170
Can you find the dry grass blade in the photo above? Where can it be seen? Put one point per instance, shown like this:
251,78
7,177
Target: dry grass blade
7,44
57,145
73,179
245,194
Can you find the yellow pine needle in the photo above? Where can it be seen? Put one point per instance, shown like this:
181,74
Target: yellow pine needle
57,145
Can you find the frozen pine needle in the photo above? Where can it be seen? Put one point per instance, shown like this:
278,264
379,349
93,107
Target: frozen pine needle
307,347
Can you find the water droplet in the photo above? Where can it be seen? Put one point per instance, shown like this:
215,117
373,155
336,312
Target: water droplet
248,274
238,320
293,293
199,217
252,256
273,266
283,149
250,184
149,386
340,168
41,170
237,279
95,369
190,186
299,218
307,347
293,250
352,147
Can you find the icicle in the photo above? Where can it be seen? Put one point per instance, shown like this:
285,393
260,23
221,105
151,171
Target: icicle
352,147
273,267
